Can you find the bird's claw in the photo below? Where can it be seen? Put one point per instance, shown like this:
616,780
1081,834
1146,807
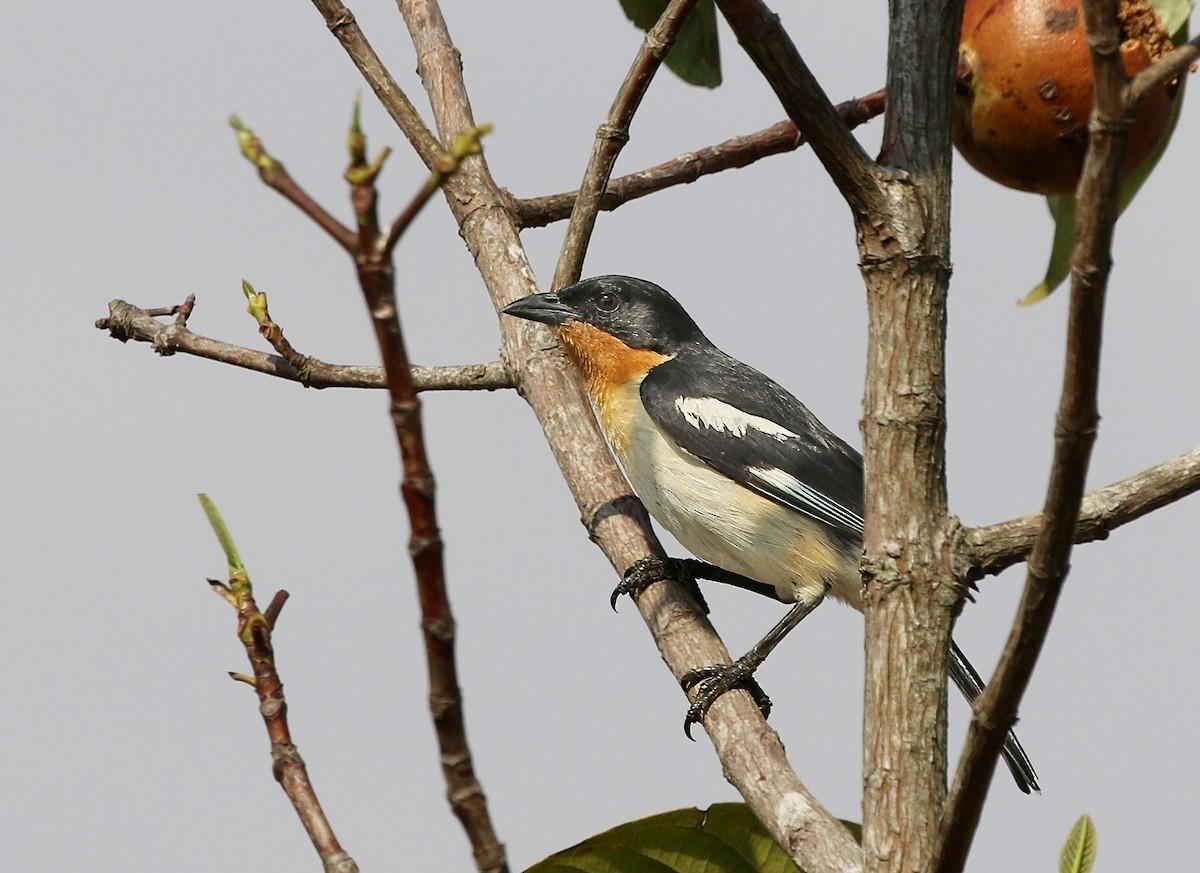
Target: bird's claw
644,573
640,575
711,682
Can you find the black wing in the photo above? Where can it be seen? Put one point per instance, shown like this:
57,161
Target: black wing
749,428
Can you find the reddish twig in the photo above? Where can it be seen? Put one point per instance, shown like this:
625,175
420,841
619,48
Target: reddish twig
732,154
127,322
1074,435
276,177
376,277
254,630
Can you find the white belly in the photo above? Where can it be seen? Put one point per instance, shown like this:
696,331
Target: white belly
733,528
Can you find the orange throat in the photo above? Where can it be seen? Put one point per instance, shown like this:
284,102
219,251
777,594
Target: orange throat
609,368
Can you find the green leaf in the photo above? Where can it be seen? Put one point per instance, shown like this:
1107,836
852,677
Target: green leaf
224,537
1174,14
696,56
1079,852
725,838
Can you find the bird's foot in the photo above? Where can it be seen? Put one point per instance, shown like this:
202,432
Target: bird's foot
711,682
644,573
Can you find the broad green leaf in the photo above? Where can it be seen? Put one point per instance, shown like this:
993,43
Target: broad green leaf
695,57
1174,14
1079,852
725,838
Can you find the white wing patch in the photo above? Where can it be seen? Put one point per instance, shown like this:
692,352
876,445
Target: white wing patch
809,501
718,415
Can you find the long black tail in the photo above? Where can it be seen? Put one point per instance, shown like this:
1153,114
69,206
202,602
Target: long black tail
971,685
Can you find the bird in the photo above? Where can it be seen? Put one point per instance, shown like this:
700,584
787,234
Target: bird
740,472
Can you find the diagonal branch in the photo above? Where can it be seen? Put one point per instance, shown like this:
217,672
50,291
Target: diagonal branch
127,322
991,549
763,38
732,154
341,24
751,754
1075,433
255,630
1164,70
611,136
276,177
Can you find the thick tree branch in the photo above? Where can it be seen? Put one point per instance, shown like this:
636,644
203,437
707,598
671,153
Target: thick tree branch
732,154
910,590
761,35
127,322
750,752
991,549
611,137
1075,434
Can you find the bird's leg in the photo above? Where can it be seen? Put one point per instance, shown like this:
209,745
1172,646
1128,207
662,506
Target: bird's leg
711,682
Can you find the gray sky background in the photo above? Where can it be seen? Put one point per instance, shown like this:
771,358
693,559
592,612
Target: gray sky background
125,745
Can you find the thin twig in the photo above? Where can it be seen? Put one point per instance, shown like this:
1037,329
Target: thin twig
276,177
763,38
1163,70
750,753
127,322
995,547
741,151
611,136
376,277
254,630
1075,434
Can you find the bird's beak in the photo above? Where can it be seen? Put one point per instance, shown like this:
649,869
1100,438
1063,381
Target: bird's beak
546,308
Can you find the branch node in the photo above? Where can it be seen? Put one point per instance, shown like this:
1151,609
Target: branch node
612,132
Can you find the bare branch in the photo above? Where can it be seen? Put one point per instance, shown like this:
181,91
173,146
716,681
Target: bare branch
341,23
127,322
611,137
732,154
1075,433
376,276
750,752
766,42
990,549
276,177
255,632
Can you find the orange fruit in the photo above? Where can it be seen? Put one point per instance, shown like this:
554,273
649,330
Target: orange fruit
1025,92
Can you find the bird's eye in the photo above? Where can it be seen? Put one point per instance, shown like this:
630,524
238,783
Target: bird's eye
606,301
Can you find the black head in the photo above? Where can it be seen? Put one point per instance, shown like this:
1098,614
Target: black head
638,313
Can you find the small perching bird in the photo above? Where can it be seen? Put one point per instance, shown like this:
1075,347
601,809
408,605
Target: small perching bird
733,465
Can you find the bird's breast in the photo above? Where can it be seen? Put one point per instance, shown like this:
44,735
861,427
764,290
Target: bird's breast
719,520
